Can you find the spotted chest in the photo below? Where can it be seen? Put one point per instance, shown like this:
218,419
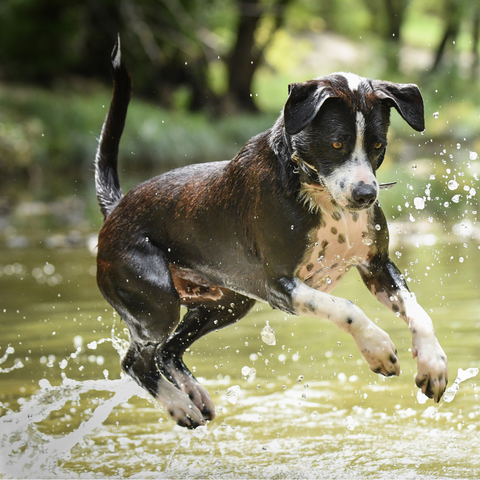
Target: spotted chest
342,240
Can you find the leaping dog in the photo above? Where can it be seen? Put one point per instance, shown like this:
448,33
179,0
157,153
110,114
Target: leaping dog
281,223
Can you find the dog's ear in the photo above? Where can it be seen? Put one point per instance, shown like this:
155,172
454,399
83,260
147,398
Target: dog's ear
303,103
407,100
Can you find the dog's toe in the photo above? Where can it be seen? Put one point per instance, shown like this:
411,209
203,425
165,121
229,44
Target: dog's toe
179,406
190,422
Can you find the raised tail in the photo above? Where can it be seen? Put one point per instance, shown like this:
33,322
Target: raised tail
107,184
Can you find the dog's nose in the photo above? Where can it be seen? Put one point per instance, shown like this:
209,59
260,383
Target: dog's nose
364,195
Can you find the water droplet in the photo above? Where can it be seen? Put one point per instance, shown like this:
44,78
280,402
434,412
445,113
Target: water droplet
268,335
456,198
419,203
249,372
452,185
350,423
398,254
367,241
412,218
435,115
421,398
328,280
473,155
232,394
48,269
459,146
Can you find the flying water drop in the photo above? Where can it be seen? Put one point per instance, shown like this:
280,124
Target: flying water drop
232,394
268,335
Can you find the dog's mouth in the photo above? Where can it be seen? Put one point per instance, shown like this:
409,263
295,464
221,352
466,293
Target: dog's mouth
352,207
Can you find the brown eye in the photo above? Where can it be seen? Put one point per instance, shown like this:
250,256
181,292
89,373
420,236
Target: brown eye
378,145
337,145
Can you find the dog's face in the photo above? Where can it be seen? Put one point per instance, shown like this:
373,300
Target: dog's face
338,126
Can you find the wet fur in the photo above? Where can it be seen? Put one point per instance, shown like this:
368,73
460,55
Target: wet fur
280,223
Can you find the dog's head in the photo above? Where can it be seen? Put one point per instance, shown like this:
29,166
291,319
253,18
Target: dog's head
338,130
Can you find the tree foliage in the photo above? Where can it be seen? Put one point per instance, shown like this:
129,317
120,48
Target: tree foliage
172,46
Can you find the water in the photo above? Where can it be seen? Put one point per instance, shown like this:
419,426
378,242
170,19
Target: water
302,404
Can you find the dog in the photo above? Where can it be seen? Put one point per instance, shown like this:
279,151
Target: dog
281,223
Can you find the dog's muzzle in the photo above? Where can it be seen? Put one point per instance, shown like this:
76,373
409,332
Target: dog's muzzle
363,195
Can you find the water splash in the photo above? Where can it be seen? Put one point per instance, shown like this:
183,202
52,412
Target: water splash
462,375
25,449
17,363
450,392
199,433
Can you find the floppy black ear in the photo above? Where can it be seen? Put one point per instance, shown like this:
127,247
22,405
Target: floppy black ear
303,103
407,100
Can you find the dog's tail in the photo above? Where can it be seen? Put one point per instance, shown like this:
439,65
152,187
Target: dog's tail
107,183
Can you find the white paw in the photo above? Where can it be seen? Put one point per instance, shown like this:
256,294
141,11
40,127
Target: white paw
432,366
378,350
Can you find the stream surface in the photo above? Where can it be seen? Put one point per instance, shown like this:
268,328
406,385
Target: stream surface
304,407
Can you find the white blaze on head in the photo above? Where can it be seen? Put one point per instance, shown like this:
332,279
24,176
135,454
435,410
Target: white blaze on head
353,80
360,127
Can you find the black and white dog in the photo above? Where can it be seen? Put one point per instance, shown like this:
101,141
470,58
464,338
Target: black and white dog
281,223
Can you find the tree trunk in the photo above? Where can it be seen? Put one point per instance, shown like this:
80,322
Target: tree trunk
453,14
246,55
242,62
475,43
395,10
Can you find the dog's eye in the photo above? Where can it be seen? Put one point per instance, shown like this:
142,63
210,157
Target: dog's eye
378,145
337,145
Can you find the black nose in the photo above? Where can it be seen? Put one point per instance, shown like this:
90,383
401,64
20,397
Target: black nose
364,195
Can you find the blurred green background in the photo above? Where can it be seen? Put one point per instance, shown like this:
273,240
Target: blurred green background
209,74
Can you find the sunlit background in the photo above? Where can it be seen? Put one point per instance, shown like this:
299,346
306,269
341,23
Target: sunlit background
208,75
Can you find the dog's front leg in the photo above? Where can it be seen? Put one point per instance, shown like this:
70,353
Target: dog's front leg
374,344
388,285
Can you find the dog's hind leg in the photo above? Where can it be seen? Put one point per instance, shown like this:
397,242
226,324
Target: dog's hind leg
197,322
138,284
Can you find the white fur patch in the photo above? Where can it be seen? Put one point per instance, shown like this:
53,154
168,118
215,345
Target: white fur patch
353,80
360,124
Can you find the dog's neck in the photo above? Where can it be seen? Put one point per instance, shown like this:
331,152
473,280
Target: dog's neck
316,198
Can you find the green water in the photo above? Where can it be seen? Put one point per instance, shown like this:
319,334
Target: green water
312,410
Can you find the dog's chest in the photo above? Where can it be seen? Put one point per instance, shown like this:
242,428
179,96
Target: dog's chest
343,239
